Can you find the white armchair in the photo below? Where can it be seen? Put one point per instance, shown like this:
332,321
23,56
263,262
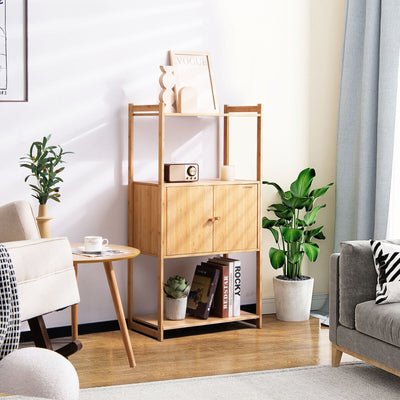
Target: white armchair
46,282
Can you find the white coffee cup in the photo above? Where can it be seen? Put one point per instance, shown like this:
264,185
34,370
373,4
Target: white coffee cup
95,243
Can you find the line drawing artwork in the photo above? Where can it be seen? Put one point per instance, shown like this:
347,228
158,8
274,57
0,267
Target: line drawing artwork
3,47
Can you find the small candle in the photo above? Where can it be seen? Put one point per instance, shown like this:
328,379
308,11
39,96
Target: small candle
227,172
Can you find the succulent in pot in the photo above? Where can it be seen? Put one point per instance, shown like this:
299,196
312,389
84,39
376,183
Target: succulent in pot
176,290
176,287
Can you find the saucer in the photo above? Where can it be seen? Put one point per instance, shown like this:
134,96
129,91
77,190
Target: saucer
82,249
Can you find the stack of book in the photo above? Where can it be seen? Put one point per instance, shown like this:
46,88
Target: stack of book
215,289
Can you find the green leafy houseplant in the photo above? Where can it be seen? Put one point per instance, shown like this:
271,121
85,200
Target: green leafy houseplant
44,163
294,229
176,287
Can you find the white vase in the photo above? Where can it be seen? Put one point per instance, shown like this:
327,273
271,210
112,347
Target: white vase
293,299
175,309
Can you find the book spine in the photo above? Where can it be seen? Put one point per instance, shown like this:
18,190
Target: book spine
211,293
225,296
237,287
231,291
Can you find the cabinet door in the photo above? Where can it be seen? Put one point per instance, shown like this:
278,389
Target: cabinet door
188,210
236,205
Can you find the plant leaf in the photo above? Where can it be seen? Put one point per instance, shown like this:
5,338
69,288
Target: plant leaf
291,235
301,186
276,257
268,223
308,235
296,202
277,187
275,232
311,250
295,258
321,191
310,217
281,211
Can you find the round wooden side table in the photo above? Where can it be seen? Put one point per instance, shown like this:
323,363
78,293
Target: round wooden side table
122,253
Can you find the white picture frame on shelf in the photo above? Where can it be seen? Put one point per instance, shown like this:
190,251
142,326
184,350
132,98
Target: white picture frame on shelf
13,50
193,73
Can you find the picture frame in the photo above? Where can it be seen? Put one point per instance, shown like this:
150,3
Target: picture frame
13,50
193,71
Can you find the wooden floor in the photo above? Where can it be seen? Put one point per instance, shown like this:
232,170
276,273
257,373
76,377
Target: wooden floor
103,361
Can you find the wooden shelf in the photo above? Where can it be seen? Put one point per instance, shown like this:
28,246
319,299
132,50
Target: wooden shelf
201,182
152,110
188,322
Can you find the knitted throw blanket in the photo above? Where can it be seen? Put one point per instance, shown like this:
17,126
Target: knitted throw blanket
9,305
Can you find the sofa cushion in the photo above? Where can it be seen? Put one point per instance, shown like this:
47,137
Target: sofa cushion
387,265
379,321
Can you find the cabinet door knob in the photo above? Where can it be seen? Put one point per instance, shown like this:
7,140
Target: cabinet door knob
211,219
217,218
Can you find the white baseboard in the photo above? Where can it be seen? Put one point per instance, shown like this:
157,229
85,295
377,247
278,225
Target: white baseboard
318,300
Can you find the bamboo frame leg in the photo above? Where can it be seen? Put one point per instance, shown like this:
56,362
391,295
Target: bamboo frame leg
160,316
112,283
74,312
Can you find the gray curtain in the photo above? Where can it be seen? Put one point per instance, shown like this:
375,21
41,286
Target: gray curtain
367,106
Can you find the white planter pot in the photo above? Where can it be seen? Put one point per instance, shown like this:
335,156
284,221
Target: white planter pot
293,299
175,309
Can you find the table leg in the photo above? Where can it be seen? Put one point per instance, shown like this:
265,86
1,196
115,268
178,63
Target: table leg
112,283
74,312
130,293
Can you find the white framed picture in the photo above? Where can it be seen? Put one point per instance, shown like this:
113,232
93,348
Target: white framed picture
13,50
193,70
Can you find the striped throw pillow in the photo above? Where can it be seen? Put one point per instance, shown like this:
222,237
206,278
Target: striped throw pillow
387,265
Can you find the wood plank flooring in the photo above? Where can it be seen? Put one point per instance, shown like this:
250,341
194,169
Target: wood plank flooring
103,361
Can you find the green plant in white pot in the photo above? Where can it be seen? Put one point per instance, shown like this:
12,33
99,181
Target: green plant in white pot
176,290
295,233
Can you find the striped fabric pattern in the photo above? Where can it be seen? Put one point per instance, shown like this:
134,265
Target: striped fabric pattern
9,305
387,265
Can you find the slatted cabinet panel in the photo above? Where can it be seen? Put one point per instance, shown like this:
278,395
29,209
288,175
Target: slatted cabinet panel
188,213
236,207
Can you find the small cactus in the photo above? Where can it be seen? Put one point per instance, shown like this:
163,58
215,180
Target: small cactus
176,287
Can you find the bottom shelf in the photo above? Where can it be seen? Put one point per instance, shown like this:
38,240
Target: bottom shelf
150,320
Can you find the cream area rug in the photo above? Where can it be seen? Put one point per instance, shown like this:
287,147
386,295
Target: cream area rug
350,381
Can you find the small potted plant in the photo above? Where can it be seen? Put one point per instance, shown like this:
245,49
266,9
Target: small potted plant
176,290
44,163
294,232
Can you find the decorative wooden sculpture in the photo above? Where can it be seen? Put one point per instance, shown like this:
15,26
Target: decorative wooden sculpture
167,82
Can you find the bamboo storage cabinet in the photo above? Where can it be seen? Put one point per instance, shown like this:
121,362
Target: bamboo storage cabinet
163,222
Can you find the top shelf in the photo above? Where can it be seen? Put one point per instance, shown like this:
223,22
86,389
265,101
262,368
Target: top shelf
234,111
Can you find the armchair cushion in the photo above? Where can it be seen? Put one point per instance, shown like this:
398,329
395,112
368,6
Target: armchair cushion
45,275
17,222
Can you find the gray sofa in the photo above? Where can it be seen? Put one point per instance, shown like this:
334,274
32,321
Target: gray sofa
358,326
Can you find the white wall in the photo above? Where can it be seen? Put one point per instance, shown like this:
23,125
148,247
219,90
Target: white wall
88,59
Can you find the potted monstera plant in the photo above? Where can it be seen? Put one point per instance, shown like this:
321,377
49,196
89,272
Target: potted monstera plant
176,290
295,232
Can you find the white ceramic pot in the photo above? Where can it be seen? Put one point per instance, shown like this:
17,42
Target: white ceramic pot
175,309
293,299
